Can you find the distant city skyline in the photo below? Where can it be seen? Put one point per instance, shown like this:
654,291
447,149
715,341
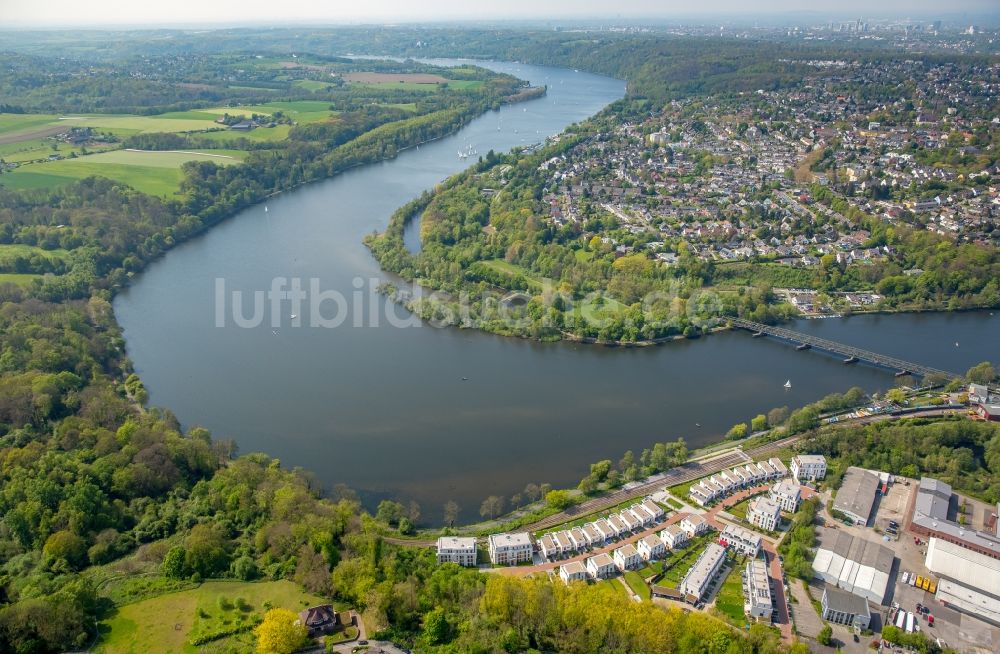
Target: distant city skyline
15,13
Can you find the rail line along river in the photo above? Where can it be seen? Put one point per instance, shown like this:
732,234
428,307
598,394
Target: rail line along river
438,414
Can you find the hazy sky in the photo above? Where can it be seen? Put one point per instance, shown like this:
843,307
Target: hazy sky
69,12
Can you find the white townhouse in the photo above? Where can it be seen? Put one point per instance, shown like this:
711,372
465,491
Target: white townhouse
651,548
694,525
787,494
630,520
593,536
601,566
642,513
604,529
563,541
673,536
617,526
725,485
510,549
742,540
456,549
806,467
653,509
579,539
573,571
700,496
548,547
627,557
779,467
765,513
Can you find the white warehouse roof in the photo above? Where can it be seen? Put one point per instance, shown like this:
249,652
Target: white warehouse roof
854,564
964,566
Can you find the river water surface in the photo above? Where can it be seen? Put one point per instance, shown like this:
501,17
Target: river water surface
439,414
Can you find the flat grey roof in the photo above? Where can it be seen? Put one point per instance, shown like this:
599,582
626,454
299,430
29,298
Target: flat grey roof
857,493
841,600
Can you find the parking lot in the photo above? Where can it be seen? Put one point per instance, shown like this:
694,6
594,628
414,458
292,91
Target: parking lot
963,632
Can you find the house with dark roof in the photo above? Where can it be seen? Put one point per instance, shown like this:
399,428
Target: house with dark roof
319,620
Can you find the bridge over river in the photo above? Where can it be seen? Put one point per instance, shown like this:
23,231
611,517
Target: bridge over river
850,353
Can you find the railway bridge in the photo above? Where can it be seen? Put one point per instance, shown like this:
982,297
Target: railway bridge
850,353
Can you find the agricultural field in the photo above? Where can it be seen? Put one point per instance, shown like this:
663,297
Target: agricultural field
301,111
156,173
168,623
142,124
394,78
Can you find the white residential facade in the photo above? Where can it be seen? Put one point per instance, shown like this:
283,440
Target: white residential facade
742,540
764,513
627,557
510,549
806,467
455,549
787,494
651,548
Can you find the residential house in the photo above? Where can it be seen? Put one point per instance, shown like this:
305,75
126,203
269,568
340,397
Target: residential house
742,540
627,557
765,513
629,518
510,549
319,620
573,571
674,537
806,467
456,549
759,604
787,495
700,576
548,546
601,566
651,548
694,525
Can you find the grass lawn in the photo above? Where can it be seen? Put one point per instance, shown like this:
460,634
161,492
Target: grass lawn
21,279
10,250
271,134
156,173
729,599
167,623
739,510
514,270
676,565
637,584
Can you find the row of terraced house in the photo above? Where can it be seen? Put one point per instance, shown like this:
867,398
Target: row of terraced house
601,532
727,482
630,557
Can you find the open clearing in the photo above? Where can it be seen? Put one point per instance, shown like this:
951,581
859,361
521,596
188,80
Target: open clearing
165,624
156,173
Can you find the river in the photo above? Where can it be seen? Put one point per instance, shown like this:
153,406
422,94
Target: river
444,414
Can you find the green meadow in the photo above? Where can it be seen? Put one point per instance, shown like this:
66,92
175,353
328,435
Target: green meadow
166,624
156,173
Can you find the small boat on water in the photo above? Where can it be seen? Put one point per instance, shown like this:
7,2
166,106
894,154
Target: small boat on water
294,316
788,384
265,208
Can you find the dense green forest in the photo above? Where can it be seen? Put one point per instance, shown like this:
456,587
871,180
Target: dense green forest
98,491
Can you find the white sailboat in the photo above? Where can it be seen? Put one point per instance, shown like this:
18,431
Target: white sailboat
265,208
788,384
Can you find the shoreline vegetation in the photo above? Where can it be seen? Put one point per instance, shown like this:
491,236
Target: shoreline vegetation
485,262
97,488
